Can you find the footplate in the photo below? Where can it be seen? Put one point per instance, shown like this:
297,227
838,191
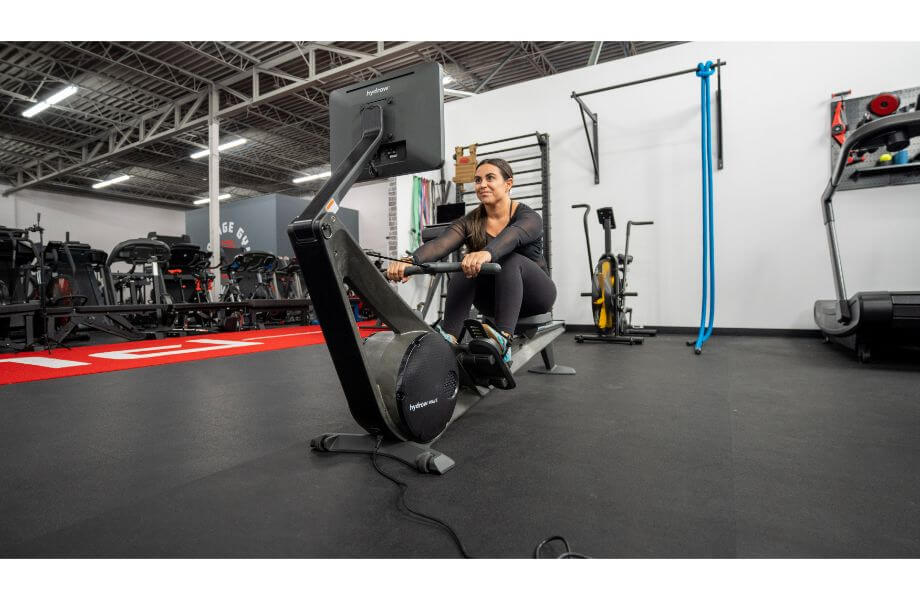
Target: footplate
482,359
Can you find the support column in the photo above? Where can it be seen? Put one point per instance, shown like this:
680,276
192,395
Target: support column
214,189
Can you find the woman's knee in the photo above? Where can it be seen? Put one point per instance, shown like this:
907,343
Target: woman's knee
513,267
457,282
538,299
513,260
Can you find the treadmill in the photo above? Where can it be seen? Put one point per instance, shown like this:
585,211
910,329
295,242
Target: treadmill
869,320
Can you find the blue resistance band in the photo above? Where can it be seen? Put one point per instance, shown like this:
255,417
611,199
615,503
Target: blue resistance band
709,274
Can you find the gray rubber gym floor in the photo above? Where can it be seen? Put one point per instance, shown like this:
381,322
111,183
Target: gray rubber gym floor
761,447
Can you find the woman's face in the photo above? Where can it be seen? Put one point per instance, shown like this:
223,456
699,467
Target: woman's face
491,188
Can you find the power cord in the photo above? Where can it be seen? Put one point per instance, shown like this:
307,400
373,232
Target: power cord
401,503
538,551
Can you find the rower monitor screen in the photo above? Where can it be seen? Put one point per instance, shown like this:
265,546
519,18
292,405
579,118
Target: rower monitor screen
413,121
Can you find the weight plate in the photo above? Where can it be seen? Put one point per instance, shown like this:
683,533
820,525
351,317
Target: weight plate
884,104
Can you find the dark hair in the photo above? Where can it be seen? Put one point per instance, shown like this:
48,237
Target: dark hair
477,240
500,163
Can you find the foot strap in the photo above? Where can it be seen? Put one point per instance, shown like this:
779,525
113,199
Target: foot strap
483,359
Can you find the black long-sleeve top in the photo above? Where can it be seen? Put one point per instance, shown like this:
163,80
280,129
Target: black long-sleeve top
523,234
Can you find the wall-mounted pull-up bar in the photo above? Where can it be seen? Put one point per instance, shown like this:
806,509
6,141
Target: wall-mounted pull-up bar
587,114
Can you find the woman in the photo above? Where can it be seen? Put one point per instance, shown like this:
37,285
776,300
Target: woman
499,230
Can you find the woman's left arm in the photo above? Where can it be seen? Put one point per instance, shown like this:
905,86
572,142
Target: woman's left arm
527,227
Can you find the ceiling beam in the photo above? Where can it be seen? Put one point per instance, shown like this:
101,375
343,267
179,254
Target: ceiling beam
118,131
66,112
17,153
169,67
347,52
462,66
215,59
538,59
46,146
48,76
191,122
503,62
252,59
119,61
595,53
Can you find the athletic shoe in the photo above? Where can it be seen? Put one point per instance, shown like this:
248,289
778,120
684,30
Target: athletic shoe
504,343
451,339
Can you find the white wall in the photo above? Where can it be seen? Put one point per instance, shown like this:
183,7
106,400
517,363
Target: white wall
7,212
771,251
370,200
99,223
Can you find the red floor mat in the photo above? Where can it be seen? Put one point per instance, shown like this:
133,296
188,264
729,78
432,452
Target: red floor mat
61,362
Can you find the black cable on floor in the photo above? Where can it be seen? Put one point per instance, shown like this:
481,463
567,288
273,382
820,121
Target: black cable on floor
402,498
538,551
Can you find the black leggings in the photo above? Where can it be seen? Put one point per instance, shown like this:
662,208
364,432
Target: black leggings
522,289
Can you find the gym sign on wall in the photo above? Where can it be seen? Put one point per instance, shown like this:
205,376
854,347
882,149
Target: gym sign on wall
233,236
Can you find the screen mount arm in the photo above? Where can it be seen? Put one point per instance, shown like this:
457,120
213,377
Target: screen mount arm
345,174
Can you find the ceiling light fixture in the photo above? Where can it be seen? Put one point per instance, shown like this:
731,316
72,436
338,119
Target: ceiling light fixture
51,100
322,175
457,92
221,148
112,181
208,200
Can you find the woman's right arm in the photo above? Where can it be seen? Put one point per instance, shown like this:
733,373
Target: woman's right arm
434,250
